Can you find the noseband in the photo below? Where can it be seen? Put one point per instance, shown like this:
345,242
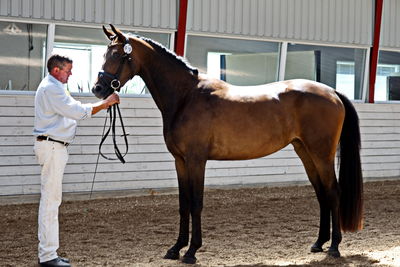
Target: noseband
112,80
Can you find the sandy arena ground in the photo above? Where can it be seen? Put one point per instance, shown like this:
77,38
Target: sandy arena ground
262,226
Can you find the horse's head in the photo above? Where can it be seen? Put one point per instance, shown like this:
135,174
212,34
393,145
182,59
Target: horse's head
118,66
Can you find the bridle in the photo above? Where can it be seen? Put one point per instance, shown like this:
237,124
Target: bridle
110,80
115,84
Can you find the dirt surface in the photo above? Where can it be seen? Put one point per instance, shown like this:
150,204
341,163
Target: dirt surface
265,226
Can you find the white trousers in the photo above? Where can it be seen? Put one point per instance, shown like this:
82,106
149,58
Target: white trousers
52,157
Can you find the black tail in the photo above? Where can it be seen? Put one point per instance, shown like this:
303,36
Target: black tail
350,176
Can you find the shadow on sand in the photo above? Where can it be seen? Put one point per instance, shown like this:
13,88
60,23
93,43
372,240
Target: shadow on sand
354,260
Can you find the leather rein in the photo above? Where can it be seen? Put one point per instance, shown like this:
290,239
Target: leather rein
112,111
112,81
115,84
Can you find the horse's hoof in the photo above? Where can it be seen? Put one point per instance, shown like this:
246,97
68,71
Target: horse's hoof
189,259
334,253
316,248
172,255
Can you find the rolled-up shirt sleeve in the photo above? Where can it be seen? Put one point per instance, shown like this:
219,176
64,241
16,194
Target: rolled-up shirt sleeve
66,106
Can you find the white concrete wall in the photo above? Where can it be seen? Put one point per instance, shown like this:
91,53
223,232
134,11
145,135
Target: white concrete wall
149,165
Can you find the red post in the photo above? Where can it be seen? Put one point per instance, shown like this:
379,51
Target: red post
375,50
181,33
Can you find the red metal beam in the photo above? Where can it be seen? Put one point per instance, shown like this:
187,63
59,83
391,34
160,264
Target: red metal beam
181,32
375,50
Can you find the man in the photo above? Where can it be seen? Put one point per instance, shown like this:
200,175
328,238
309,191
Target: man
56,116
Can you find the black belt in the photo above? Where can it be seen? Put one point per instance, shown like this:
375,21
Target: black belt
43,137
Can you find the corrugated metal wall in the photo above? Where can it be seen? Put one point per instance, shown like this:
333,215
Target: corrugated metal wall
390,31
333,21
138,13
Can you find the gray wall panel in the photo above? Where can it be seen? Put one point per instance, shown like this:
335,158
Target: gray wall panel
90,9
146,19
155,20
59,9
47,9
333,21
390,31
137,11
26,7
140,13
69,11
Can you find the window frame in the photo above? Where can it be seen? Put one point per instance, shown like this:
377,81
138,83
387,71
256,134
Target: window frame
283,50
49,45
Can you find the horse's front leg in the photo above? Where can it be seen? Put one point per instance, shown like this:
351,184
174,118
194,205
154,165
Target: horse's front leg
184,210
196,169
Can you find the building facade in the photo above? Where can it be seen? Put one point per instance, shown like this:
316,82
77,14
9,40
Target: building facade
244,42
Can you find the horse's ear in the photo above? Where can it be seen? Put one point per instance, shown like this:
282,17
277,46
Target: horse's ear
108,33
118,33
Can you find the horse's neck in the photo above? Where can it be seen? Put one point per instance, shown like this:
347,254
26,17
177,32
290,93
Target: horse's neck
168,88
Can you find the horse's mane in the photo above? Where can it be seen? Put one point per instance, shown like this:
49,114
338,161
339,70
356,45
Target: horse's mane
180,60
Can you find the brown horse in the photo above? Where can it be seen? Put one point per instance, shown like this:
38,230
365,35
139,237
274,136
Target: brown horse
208,119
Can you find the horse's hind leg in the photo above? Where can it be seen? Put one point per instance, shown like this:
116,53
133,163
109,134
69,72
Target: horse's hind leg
329,183
313,176
322,154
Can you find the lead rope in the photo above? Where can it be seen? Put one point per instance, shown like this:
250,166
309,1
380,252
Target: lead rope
111,110
97,161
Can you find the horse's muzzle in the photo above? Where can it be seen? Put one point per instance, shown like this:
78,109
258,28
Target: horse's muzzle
101,91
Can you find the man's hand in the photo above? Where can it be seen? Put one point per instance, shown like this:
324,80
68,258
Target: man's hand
112,99
106,103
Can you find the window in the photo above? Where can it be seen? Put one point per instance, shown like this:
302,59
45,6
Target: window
338,67
387,85
86,47
87,59
22,52
237,61
345,77
214,64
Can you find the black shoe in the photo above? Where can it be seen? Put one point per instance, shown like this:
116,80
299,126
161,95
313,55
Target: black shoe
64,259
57,262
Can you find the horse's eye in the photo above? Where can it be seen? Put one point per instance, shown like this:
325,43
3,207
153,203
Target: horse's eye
115,55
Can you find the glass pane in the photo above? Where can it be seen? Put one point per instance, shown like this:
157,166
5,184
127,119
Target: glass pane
338,67
240,62
22,51
387,85
87,60
86,47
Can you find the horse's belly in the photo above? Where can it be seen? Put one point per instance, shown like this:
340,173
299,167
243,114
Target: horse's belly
231,148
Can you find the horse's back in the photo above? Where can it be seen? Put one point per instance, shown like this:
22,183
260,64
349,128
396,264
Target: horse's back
253,121
286,103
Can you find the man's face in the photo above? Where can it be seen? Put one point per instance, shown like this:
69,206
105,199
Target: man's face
62,74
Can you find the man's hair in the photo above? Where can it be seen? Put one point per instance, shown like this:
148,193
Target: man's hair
57,61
